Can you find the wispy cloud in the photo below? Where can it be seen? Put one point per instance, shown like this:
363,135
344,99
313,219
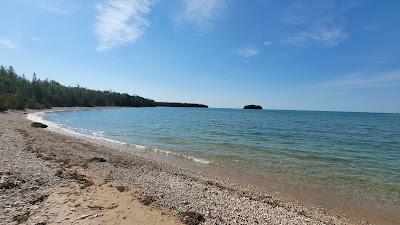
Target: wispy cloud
203,13
372,26
309,11
248,51
359,80
119,22
317,22
267,43
35,39
329,37
8,42
59,6
252,50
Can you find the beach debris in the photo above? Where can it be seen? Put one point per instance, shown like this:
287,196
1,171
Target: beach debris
38,125
65,162
45,156
73,175
97,159
84,216
122,188
9,181
96,207
38,199
147,200
112,206
302,212
22,218
99,207
191,218
41,223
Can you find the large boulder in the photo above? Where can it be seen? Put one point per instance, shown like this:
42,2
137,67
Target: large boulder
38,125
252,107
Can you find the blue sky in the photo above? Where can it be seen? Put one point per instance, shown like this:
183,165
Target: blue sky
282,54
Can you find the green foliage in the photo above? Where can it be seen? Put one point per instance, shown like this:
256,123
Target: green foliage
3,107
32,104
16,92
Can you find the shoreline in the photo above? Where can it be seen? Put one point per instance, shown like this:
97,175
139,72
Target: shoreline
37,116
334,197
217,200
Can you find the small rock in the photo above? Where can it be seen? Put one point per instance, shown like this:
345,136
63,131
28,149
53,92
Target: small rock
84,216
121,188
38,125
9,181
97,159
38,199
191,218
21,218
41,223
146,200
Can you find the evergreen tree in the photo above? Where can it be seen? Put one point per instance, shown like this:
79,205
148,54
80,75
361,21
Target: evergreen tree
16,92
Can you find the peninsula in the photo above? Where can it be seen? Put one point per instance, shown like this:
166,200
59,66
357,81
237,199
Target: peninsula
17,92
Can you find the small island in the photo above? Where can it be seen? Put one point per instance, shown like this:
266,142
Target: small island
252,107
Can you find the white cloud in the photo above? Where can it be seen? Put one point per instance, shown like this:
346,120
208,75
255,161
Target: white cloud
203,13
358,80
248,52
8,42
316,21
372,26
120,22
59,6
267,43
252,50
309,12
35,39
327,36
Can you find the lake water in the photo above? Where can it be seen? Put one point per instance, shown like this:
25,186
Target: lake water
359,152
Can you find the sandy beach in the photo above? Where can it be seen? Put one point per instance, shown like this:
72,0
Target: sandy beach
53,178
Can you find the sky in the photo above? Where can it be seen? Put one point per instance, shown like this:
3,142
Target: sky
281,54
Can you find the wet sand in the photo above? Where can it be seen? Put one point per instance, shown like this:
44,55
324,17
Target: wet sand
52,178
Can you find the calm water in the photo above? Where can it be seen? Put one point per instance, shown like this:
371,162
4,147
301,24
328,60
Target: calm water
359,151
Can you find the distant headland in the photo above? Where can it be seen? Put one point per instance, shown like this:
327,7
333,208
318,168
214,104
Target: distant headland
177,104
252,107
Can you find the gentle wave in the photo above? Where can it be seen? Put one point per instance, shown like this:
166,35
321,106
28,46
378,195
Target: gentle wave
357,152
38,117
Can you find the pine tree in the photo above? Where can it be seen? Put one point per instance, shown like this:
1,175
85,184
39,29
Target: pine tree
17,92
34,78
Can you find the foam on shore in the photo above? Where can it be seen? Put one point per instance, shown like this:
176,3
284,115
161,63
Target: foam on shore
38,117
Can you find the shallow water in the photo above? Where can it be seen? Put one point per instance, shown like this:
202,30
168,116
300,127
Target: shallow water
358,153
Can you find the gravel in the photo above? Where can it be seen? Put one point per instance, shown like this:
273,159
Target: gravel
33,160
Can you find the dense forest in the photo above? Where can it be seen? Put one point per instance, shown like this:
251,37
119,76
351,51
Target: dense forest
17,92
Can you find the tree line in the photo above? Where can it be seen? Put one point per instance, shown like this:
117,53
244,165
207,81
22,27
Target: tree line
17,92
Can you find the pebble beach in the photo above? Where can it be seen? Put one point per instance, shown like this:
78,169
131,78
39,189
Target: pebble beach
53,178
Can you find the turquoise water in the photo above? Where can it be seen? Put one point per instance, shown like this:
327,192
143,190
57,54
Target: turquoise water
356,150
